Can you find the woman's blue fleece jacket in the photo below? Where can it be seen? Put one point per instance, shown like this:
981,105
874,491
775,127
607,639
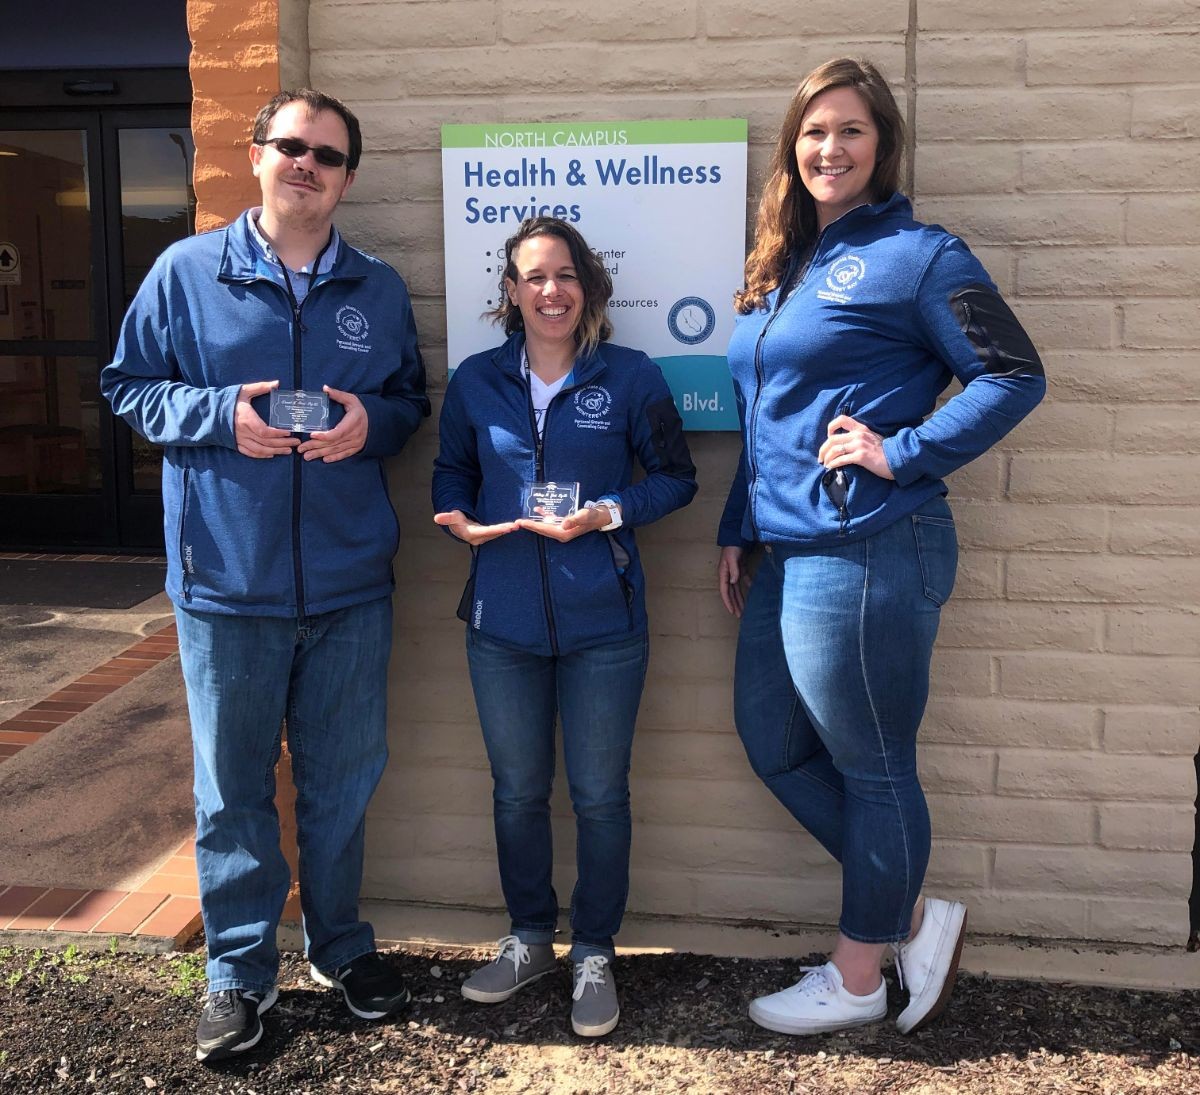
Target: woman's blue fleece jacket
884,315
281,536
526,590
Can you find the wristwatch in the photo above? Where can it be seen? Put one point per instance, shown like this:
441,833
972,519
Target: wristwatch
614,509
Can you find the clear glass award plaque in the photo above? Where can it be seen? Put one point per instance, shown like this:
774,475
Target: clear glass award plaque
550,501
299,412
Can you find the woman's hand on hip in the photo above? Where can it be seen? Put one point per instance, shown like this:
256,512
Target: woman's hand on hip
732,581
577,524
456,521
850,442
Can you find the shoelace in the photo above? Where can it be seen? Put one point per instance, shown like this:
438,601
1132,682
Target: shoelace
898,947
367,968
815,980
224,1003
898,963
590,972
512,948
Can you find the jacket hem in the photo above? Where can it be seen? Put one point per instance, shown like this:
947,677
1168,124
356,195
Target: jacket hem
218,607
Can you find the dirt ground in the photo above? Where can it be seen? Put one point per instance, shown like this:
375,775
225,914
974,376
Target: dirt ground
115,1023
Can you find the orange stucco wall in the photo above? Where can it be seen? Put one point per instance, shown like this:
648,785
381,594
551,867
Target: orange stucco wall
235,69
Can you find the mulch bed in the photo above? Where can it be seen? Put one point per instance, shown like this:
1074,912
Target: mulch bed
116,1023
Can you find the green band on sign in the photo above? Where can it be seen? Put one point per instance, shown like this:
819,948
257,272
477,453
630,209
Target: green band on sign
593,134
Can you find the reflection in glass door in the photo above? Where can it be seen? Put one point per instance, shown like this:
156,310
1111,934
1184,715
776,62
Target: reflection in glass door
49,421
88,200
158,207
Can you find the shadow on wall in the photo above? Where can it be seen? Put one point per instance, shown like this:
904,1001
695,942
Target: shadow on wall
1194,905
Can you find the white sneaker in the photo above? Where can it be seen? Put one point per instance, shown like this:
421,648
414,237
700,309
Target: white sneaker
818,1003
928,964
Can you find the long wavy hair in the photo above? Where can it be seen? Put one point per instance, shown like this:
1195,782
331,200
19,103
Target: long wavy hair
787,214
594,325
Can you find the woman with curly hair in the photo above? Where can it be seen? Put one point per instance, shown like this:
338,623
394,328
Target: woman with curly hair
555,604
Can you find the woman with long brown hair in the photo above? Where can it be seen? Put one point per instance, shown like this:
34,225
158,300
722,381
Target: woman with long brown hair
853,319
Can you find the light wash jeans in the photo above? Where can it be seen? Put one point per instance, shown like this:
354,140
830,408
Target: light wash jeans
518,695
830,686
327,675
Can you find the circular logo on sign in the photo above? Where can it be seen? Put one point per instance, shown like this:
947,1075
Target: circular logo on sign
593,402
691,320
351,323
846,273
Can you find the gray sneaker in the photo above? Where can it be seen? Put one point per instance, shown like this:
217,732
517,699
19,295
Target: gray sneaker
516,965
594,1010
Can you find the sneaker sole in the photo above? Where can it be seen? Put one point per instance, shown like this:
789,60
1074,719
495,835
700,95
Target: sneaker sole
333,983
597,1031
907,1024
221,1053
481,996
783,1026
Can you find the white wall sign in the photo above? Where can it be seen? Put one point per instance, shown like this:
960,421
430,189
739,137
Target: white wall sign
10,264
662,202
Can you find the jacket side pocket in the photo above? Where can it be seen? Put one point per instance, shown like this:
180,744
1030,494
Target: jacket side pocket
187,563
465,608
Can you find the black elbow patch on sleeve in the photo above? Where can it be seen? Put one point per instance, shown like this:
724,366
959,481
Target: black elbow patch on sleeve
666,429
998,337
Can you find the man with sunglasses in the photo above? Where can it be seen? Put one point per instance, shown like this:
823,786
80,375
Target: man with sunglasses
278,367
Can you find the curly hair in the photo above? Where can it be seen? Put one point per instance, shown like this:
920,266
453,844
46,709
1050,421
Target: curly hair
594,326
787,214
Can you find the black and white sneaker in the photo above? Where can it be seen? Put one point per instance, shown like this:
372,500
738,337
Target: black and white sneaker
373,990
230,1022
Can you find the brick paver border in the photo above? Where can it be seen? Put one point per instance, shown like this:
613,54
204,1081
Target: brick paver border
166,906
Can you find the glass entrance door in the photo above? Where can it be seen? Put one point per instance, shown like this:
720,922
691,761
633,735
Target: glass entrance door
87,202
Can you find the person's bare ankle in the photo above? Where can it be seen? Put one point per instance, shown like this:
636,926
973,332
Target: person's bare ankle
860,982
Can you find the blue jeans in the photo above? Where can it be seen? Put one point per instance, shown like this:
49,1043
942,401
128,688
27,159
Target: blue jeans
596,692
830,686
327,675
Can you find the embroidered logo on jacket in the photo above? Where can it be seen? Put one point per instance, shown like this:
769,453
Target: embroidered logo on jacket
353,328
593,403
843,276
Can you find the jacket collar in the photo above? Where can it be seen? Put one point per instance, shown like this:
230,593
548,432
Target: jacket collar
507,357
897,205
240,259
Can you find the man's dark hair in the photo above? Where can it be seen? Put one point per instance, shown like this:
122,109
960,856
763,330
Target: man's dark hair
316,101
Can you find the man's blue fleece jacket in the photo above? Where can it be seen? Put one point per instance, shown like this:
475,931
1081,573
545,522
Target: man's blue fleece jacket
281,536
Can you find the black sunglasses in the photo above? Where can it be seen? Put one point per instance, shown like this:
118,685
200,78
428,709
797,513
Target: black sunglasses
836,484
294,149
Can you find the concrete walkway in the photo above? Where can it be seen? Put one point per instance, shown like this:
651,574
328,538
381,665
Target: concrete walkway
95,774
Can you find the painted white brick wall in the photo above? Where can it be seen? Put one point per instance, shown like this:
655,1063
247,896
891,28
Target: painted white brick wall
1060,138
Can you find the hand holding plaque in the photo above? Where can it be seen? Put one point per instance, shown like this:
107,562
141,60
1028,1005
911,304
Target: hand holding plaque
299,411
